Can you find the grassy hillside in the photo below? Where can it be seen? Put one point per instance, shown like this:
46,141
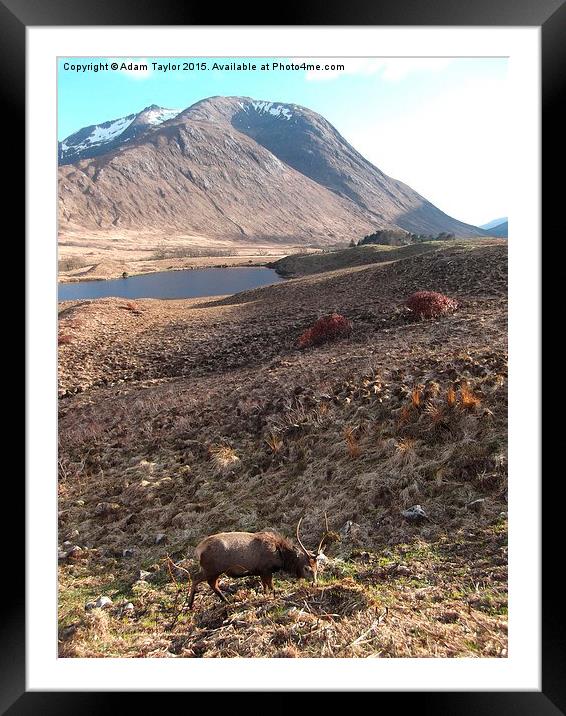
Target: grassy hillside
182,418
306,264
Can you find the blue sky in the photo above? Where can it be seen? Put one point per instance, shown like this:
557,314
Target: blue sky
438,124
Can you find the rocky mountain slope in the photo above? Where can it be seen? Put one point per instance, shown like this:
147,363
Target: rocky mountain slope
237,168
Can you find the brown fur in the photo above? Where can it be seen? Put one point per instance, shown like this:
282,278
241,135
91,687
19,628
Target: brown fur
244,554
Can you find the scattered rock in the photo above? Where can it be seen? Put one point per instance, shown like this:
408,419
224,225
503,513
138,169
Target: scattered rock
128,553
160,538
402,570
448,617
476,505
415,514
75,552
68,632
100,603
128,607
143,576
103,602
70,551
347,528
106,508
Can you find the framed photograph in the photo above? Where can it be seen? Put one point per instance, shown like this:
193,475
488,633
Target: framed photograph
279,434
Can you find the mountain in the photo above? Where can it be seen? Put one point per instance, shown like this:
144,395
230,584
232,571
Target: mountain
494,222
499,230
101,138
237,168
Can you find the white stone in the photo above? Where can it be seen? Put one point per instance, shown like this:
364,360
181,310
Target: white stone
103,602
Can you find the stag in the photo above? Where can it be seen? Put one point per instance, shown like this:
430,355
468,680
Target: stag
246,554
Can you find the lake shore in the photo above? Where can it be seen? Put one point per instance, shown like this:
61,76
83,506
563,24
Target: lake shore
176,284
100,256
112,268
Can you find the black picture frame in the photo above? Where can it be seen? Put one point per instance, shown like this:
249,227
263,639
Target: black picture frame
550,16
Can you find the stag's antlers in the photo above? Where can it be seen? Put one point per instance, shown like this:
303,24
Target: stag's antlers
310,554
324,536
305,550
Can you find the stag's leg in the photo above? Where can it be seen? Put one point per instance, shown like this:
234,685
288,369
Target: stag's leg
196,579
267,581
213,582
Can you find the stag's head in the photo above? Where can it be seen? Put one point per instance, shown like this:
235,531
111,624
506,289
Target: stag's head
308,562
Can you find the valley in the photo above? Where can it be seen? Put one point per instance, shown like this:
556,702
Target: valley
230,169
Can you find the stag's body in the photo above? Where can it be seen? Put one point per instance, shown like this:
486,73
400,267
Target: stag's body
245,554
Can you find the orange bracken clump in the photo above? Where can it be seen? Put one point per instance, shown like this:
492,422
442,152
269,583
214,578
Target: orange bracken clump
325,329
429,304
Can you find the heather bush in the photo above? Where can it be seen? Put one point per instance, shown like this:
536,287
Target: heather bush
325,329
429,304
64,339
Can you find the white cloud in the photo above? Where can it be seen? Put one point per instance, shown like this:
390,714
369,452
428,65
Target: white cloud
391,69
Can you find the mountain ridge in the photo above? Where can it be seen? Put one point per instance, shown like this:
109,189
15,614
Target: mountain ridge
237,167
100,138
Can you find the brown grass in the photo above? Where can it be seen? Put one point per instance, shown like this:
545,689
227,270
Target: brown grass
416,394
275,442
352,442
224,457
420,600
468,400
204,417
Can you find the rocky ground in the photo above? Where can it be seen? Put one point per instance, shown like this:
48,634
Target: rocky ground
182,418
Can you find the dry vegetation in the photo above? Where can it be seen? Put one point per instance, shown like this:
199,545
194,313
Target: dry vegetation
94,260
307,263
181,418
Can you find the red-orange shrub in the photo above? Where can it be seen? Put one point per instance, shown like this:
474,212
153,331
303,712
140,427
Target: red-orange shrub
429,304
327,328
64,339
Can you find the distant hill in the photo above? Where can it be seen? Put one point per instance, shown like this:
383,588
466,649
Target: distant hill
494,222
499,230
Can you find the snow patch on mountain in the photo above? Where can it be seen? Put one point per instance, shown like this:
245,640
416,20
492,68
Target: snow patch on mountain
105,132
160,115
82,143
277,110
